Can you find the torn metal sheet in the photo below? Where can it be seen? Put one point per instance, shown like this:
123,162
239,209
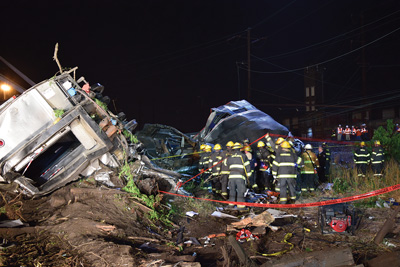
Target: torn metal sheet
166,146
239,120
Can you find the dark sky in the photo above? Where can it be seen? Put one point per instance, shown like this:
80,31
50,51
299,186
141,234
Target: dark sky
169,62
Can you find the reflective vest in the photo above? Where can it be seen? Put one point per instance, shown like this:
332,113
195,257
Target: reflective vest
347,131
339,130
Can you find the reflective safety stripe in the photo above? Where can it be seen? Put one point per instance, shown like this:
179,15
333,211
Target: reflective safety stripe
293,198
236,176
236,166
283,199
287,176
281,164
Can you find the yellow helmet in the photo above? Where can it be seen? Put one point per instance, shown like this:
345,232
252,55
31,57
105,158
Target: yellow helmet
229,144
247,148
207,148
260,144
362,143
285,144
377,143
217,147
237,145
279,140
202,147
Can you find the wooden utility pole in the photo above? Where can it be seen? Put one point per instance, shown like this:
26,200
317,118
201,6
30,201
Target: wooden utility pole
248,66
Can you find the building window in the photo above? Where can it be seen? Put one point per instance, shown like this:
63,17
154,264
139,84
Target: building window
307,91
312,90
312,104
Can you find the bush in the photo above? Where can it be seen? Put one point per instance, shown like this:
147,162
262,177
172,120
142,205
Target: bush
390,140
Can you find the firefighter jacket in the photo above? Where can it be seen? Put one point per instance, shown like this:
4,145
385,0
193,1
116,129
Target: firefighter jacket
224,169
204,162
238,165
285,164
215,162
377,155
310,161
361,156
327,154
264,156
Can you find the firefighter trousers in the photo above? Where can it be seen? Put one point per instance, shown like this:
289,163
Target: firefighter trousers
216,184
307,182
224,185
283,186
237,189
361,169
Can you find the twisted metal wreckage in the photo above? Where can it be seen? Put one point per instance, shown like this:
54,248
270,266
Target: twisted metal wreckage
58,131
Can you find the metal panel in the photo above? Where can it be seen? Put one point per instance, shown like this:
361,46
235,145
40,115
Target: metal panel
24,118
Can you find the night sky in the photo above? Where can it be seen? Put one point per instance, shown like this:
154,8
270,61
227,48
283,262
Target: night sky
170,62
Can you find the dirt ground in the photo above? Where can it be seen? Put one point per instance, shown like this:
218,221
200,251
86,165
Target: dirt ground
86,224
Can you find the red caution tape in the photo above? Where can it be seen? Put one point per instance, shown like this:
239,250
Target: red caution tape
302,205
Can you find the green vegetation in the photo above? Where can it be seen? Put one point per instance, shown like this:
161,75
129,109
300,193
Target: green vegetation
153,202
101,104
347,183
130,137
390,140
59,113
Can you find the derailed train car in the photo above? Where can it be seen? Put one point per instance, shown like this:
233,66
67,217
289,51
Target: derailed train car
54,131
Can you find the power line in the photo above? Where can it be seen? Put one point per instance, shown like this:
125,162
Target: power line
326,61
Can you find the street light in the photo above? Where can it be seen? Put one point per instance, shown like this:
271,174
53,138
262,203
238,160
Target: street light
5,88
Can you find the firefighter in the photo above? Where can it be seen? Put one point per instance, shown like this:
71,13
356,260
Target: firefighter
361,159
339,131
347,133
225,170
202,146
264,170
284,170
327,153
215,166
204,164
252,176
239,170
309,169
377,159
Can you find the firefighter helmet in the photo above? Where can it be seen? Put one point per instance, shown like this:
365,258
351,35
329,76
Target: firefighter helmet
207,148
308,147
279,140
377,143
362,143
247,148
237,145
246,140
260,144
285,144
202,146
230,144
217,147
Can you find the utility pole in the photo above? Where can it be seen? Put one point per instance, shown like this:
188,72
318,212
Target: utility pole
248,66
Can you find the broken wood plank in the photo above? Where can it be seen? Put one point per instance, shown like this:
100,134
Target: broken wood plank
331,257
244,259
386,259
387,226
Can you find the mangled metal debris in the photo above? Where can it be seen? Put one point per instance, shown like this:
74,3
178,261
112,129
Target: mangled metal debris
167,147
57,131
236,121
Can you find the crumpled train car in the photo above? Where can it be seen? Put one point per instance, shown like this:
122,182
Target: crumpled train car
54,132
239,120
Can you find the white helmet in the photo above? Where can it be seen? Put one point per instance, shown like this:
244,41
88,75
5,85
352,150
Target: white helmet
308,146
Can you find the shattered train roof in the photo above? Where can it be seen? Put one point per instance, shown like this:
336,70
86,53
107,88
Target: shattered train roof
236,121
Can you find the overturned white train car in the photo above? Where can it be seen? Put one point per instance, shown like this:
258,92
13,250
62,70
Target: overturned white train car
54,131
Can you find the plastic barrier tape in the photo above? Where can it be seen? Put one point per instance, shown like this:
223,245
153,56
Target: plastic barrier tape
301,205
